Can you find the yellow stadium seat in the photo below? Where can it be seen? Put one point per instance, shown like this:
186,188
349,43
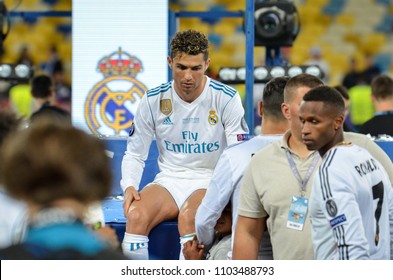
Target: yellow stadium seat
63,5
309,14
373,42
225,27
25,5
345,19
345,48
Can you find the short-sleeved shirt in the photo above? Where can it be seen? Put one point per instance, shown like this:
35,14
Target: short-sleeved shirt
269,185
349,206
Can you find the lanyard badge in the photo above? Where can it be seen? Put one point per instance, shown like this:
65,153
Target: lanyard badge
297,213
299,204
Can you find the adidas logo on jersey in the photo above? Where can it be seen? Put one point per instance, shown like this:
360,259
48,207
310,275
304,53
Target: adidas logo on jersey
167,121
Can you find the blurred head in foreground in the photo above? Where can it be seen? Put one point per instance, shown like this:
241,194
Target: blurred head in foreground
50,165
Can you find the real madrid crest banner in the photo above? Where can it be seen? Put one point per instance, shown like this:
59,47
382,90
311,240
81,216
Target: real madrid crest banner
119,51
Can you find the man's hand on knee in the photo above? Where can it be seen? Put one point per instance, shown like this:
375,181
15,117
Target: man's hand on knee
130,195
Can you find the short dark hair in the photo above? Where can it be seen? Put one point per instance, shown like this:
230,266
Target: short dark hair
382,87
49,161
190,42
343,90
273,97
9,123
41,86
301,80
331,98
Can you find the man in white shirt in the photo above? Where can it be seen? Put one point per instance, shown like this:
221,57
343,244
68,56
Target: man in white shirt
193,119
351,193
277,183
225,183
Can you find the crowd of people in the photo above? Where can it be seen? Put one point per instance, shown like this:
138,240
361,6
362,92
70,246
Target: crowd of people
308,187
16,94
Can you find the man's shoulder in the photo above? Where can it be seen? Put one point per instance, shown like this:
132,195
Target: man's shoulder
377,125
345,156
356,138
255,143
159,90
220,88
268,151
60,111
365,142
51,110
375,120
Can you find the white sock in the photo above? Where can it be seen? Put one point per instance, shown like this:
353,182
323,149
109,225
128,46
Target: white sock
135,247
183,240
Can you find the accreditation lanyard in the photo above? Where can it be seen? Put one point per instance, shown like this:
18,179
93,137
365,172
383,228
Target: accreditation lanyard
302,182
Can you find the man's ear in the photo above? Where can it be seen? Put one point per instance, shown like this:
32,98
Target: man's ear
170,61
207,63
260,108
286,111
338,122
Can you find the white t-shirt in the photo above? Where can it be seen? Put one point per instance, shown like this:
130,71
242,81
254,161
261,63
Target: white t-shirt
190,136
220,248
13,220
349,206
225,185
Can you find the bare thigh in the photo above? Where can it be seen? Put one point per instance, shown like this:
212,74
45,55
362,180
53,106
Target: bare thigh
156,205
188,211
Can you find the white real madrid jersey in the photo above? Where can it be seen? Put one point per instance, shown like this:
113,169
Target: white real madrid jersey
349,206
190,136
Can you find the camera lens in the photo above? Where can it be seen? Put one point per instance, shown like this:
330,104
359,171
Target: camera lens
276,23
270,24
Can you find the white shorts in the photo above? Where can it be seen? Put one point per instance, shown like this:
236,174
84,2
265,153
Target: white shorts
180,188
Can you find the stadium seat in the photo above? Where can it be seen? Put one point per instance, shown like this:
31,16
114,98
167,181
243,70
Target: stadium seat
372,43
345,19
334,7
386,24
383,61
